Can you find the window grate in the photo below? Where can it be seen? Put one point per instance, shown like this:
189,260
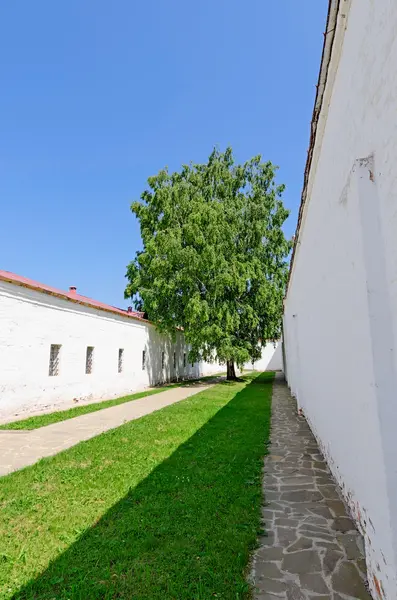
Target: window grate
55,351
89,360
184,359
121,360
143,360
174,360
162,360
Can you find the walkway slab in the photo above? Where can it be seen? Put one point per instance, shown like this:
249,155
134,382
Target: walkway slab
20,448
312,549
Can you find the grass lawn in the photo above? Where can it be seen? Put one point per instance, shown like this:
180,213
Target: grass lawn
62,415
166,507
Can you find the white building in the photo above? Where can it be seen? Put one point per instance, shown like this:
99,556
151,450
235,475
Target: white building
340,324
57,347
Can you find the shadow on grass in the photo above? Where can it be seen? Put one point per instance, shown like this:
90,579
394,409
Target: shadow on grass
186,531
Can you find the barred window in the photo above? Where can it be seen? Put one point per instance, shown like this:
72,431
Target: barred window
121,357
184,359
162,360
174,360
89,360
143,360
55,351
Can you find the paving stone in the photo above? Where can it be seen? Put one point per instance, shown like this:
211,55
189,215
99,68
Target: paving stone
337,508
306,561
287,522
347,580
271,553
301,544
307,554
298,487
269,515
343,524
318,457
285,535
294,592
268,539
321,510
328,545
316,520
329,492
330,560
308,471
349,543
319,465
361,565
268,570
301,496
322,479
272,585
317,535
313,582
288,480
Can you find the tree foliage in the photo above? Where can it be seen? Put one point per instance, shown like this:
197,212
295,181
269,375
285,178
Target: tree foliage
214,258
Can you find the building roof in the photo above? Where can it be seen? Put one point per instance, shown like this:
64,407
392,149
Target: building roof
71,295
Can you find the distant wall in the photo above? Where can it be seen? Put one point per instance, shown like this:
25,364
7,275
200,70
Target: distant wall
30,321
271,360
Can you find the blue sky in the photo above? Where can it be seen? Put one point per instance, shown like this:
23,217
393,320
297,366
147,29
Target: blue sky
98,95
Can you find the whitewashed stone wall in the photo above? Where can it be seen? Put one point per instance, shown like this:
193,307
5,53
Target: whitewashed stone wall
30,321
271,359
341,309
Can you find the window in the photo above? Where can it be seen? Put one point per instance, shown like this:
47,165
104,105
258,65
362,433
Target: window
121,357
143,360
89,360
162,360
54,360
174,360
184,359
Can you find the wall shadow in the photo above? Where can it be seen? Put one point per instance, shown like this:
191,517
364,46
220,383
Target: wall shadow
185,532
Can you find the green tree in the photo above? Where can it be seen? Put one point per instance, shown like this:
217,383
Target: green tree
214,259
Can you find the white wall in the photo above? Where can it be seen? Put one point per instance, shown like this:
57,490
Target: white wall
30,321
271,359
340,322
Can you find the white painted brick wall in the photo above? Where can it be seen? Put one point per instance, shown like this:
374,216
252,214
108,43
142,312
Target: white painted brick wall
341,308
31,321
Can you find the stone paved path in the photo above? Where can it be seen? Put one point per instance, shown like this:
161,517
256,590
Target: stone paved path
312,550
19,448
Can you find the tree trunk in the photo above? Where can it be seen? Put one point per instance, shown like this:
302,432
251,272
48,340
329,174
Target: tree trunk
231,373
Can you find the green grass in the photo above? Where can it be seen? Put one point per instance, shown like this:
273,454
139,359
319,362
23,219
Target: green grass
62,415
166,507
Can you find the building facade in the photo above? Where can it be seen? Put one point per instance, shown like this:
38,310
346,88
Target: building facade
60,347
340,323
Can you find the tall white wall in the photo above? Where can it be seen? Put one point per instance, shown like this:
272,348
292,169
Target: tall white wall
340,322
30,321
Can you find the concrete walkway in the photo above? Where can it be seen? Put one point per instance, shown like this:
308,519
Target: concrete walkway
312,550
20,448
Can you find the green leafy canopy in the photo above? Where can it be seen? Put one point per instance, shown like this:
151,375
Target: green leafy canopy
215,258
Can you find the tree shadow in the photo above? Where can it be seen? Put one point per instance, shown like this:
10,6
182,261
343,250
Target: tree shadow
186,531
167,360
